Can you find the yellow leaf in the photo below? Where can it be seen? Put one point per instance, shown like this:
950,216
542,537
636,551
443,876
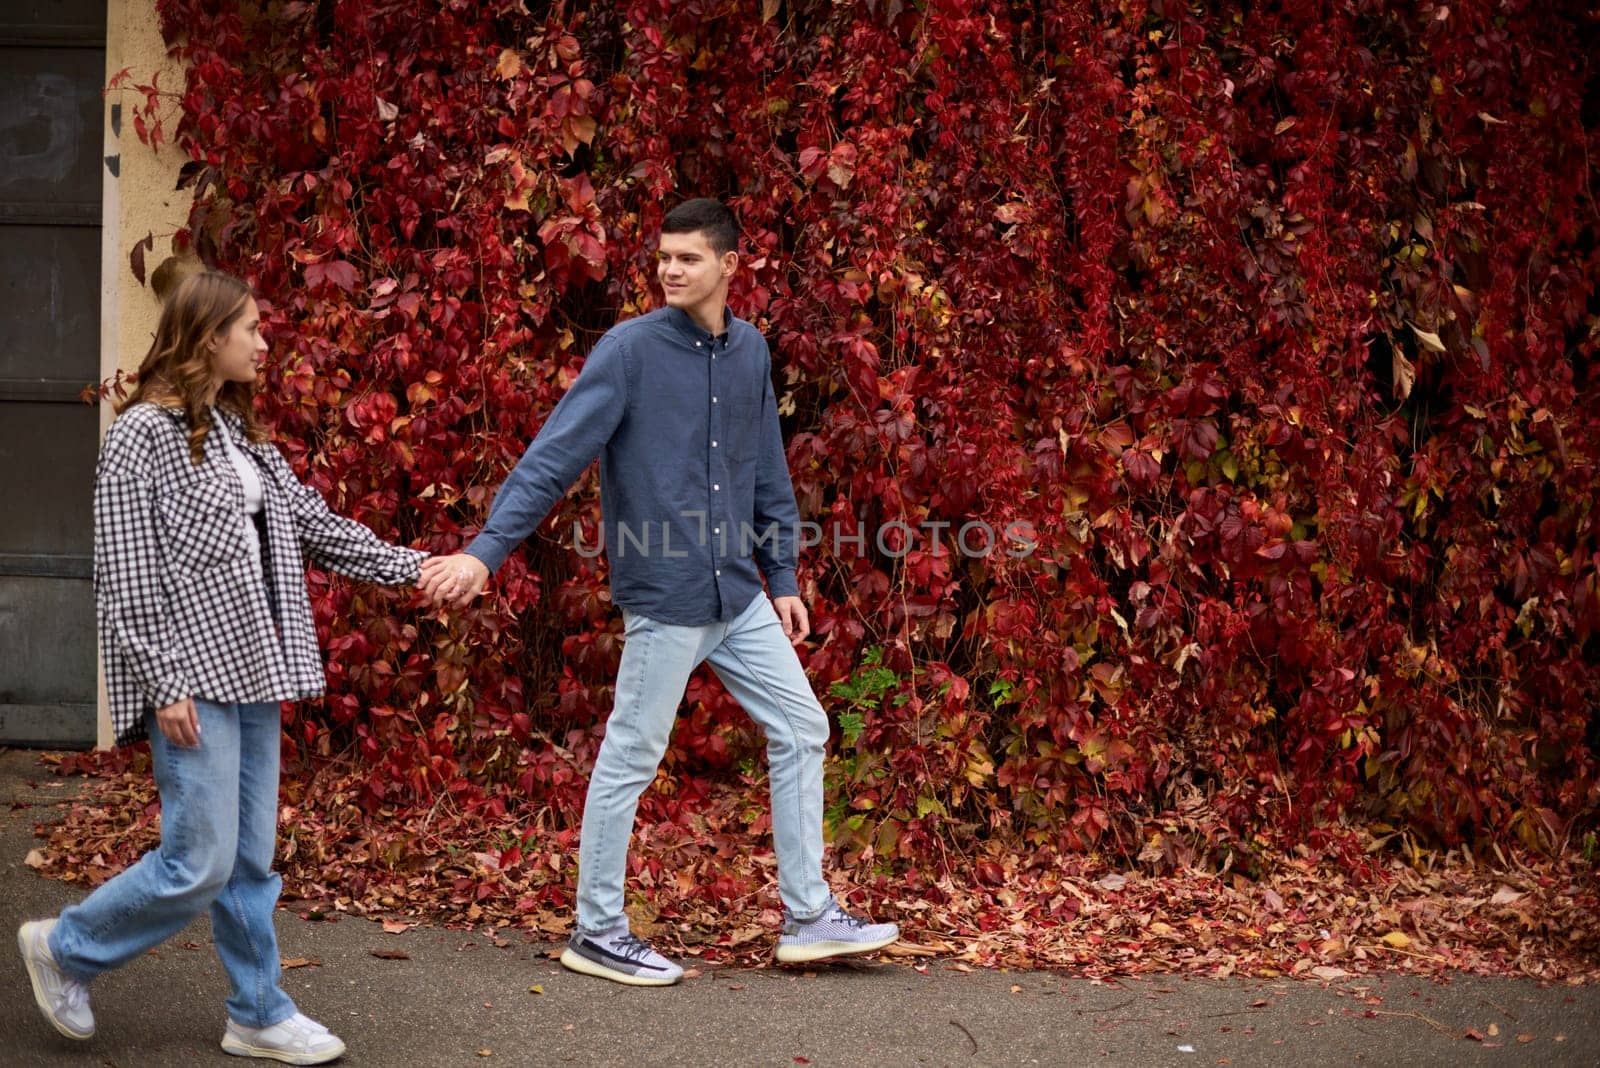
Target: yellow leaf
583,127
1429,339
509,65
1012,212
536,988
34,859
1397,939
1405,375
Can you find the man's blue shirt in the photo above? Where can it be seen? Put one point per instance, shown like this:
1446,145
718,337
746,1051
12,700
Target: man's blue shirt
694,483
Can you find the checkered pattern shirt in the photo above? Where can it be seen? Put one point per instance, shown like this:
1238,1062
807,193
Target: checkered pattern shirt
184,609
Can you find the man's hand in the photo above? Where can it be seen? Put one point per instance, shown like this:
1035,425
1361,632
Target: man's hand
452,580
180,722
792,614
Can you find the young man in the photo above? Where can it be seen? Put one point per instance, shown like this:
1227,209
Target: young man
695,496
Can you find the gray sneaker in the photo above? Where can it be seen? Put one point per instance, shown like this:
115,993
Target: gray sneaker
63,1000
620,957
836,933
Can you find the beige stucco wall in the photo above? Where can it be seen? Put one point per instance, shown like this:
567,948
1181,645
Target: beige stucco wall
140,199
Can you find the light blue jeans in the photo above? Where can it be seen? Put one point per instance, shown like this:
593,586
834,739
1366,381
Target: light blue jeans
760,669
219,827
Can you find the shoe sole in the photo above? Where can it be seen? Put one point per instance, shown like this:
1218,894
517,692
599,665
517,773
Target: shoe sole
240,1048
577,962
38,989
823,950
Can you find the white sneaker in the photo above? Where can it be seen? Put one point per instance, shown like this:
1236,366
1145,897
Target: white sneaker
297,1040
63,1000
836,933
620,957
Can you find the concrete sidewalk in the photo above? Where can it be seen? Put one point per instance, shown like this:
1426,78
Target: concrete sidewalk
458,999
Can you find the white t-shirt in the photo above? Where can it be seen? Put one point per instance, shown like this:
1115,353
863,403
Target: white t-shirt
251,480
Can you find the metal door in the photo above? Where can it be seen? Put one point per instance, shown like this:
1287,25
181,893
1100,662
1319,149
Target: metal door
52,68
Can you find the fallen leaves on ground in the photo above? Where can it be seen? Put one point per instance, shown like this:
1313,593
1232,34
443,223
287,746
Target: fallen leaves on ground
704,887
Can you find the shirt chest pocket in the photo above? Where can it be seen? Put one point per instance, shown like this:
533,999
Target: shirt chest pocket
744,430
201,525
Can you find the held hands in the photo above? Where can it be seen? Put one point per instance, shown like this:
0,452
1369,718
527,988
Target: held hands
180,723
792,614
452,581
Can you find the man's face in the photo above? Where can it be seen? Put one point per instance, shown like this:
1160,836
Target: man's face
690,271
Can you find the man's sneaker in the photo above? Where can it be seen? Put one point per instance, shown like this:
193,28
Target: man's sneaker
620,957
297,1040
835,933
63,1000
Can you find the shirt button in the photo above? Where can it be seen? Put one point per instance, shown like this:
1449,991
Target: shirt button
713,400
713,444
716,530
719,573
716,485
697,344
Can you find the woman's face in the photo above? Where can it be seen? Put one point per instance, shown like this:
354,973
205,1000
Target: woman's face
237,350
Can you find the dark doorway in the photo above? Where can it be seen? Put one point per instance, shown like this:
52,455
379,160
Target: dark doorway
52,68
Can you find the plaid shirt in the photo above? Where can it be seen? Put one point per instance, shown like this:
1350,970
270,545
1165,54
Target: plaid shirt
182,607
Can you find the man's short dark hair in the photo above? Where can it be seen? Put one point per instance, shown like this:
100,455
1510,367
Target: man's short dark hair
704,216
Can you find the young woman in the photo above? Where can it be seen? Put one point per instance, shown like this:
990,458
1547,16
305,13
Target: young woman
205,626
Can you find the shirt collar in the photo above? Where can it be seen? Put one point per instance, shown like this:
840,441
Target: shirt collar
692,330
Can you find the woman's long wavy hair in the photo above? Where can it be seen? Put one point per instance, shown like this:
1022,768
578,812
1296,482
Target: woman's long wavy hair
177,373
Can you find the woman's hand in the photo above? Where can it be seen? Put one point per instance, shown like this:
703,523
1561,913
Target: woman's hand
180,723
452,580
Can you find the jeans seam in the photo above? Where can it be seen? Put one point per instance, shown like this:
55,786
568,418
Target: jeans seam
605,810
130,908
783,709
232,891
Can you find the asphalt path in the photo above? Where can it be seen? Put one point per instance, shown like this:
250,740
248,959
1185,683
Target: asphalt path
455,997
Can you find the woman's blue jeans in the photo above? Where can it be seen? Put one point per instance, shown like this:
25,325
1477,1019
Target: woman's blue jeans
760,669
219,827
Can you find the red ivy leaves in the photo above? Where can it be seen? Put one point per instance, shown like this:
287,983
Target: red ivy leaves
1274,328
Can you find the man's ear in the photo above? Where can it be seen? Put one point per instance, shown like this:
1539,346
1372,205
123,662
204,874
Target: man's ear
730,263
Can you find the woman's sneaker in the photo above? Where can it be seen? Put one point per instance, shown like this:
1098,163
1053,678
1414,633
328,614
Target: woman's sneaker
63,1000
836,933
297,1040
620,957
